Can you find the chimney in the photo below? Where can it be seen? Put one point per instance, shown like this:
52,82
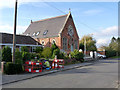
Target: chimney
31,21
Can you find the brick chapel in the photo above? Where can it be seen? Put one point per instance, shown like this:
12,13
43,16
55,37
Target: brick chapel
60,30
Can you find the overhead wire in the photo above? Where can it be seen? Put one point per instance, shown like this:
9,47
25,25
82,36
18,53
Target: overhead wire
53,7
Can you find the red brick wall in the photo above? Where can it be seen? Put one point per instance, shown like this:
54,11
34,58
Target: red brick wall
65,34
48,41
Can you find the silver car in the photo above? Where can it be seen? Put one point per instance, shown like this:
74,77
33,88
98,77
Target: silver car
101,56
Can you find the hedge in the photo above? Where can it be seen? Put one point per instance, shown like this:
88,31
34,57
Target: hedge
11,68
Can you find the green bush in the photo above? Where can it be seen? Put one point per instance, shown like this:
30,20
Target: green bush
39,49
26,56
77,55
110,53
24,49
56,52
47,52
54,46
32,55
18,57
6,54
18,61
11,68
61,55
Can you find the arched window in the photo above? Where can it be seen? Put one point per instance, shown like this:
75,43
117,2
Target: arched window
43,43
64,43
76,44
53,41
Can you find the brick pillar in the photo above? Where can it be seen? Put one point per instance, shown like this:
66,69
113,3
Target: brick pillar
2,66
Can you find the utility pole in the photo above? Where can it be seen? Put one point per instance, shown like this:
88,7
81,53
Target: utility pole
85,47
14,35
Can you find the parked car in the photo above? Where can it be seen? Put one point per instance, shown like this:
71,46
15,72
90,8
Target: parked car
101,56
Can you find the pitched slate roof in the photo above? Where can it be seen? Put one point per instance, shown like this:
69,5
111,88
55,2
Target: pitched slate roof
52,26
20,39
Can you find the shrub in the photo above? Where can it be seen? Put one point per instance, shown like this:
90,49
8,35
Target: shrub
11,68
24,49
18,57
110,53
77,55
56,52
54,46
39,49
62,55
47,52
32,55
26,56
6,54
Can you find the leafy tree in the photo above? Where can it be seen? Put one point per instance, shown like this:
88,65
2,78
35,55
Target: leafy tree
6,54
47,52
81,46
90,43
113,48
24,49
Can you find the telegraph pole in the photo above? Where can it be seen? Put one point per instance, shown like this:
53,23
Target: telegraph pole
85,47
14,35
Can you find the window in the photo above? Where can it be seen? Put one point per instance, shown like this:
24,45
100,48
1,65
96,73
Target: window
33,34
76,44
37,33
33,49
53,41
64,43
43,43
45,32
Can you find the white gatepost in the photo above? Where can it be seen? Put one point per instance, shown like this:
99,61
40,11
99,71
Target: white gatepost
95,53
91,54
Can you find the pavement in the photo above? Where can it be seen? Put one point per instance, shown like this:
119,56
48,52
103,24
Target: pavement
7,79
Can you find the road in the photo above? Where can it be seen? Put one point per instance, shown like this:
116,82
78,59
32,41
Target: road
103,74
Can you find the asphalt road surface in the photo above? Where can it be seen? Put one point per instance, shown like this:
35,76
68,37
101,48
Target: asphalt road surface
103,74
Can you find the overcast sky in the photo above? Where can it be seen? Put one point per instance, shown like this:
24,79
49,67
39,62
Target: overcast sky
97,18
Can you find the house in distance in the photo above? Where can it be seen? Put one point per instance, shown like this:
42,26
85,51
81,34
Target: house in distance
60,30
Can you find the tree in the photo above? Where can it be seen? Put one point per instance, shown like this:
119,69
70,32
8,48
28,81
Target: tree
6,54
113,48
90,43
47,52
